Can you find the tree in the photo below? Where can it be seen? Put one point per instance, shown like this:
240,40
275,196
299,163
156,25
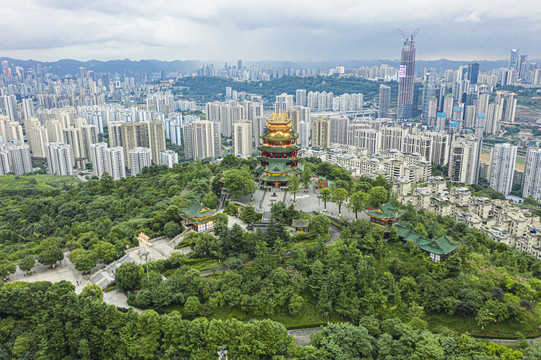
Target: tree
248,214
484,317
105,251
27,263
239,182
294,184
356,202
50,255
229,161
326,194
221,218
92,292
86,260
192,306
306,178
338,197
128,276
210,200
296,303
172,229
319,225
6,266
377,196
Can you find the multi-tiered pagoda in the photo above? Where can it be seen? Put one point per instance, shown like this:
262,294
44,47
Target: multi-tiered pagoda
279,152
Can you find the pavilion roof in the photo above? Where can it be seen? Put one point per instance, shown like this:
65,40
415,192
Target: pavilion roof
195,213
300,223
387,211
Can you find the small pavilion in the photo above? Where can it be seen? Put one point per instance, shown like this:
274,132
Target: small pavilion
198,218
300,225
386,215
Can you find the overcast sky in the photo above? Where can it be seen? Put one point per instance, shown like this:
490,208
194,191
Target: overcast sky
299,30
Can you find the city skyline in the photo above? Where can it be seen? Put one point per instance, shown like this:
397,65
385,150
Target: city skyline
213,30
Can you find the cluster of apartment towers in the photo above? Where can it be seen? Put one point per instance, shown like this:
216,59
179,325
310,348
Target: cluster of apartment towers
66,141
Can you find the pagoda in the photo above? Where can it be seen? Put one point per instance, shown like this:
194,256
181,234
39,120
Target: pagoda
279,152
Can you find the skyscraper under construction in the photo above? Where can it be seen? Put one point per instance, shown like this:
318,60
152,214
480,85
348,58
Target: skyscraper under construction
405,78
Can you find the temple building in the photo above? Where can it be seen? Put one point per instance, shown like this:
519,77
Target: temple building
198,218
386,215
437,248
279,152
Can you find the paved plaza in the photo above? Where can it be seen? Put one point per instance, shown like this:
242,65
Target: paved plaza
306,201
102,275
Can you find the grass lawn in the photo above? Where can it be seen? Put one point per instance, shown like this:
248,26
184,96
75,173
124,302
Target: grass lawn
308,317
201,263
506,329
41,182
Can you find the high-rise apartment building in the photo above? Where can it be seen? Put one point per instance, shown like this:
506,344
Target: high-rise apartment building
110,160
156,139
28,108
202,140
321,132
59,159
523,67
300,97
169,158
513,60
15,158
10,130
115,132
225,114
406,75
54,131
258,125
284,102
464,158
532,174
384,101
10,104
74,138
99,157
117,165
89,136
140,157
242,138
339,129
304,135
508,103
37,138
473,73
5,167
293,115
502,166
147,134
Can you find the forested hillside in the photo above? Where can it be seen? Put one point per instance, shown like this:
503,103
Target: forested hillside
199,88
388,299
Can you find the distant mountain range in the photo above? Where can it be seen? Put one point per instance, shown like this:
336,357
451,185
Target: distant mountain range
68,66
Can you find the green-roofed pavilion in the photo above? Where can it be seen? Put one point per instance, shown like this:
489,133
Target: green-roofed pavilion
438,248
300,224
198,217
385,215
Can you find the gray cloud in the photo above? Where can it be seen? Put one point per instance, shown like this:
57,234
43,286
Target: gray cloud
264,29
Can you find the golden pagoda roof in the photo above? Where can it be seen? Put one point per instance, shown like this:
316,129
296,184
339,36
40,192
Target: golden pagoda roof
279,118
